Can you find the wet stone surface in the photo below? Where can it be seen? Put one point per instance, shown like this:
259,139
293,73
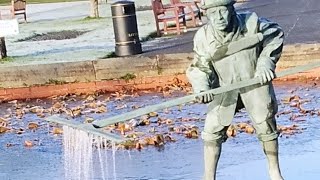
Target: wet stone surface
164,144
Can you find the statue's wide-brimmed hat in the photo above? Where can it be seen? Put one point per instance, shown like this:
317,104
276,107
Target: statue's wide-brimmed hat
207,4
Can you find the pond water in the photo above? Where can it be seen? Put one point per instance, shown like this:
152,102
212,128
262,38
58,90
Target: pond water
242,156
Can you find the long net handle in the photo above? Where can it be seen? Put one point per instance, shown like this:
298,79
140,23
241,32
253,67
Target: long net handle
190,98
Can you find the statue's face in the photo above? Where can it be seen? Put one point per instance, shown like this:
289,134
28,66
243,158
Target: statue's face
220,17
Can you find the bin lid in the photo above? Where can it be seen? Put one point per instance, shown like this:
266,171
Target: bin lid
122,2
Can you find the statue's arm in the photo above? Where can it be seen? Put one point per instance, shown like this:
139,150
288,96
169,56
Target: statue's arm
272,44
200,72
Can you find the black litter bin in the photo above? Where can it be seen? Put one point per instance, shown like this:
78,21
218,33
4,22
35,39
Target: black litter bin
125,28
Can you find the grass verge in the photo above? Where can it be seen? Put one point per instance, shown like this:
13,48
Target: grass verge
7,59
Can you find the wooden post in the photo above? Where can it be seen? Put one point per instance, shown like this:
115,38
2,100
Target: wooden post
94,11
3,49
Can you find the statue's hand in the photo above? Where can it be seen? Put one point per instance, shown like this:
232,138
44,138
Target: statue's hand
206,98
264,74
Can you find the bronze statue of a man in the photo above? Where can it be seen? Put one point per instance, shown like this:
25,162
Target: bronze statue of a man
234,47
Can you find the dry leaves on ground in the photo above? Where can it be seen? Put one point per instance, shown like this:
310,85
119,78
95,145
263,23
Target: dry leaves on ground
28,143
57,131
4,129
33,125
289,130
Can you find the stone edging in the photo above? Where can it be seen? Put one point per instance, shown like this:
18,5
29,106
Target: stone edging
138,72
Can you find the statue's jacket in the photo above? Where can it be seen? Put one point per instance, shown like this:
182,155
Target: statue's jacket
259,44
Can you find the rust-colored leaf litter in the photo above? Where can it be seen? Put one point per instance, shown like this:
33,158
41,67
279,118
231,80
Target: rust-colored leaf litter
156,128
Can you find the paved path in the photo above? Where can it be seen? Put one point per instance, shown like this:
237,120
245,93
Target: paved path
298,18
55,17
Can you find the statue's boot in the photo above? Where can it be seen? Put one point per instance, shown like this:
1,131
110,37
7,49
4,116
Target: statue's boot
271,150
212,151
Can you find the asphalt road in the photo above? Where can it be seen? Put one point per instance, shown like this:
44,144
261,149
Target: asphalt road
298,18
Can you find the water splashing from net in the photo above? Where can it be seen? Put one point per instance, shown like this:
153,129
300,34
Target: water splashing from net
86,155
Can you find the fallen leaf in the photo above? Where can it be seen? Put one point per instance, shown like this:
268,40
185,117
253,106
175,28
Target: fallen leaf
91,105
149,141
28,143
249,129
123,127
57,131
57,105
101,109
72,99
90,98
242,126
88,120
289,130
33,125
153,114
144,121
193,133
168,138
179,130
107,99
3,121
132,135
139,146
296,98
35,109
3,129
291,99
19,113
159,140
166,93
76,112
232,131
41,115
286,99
